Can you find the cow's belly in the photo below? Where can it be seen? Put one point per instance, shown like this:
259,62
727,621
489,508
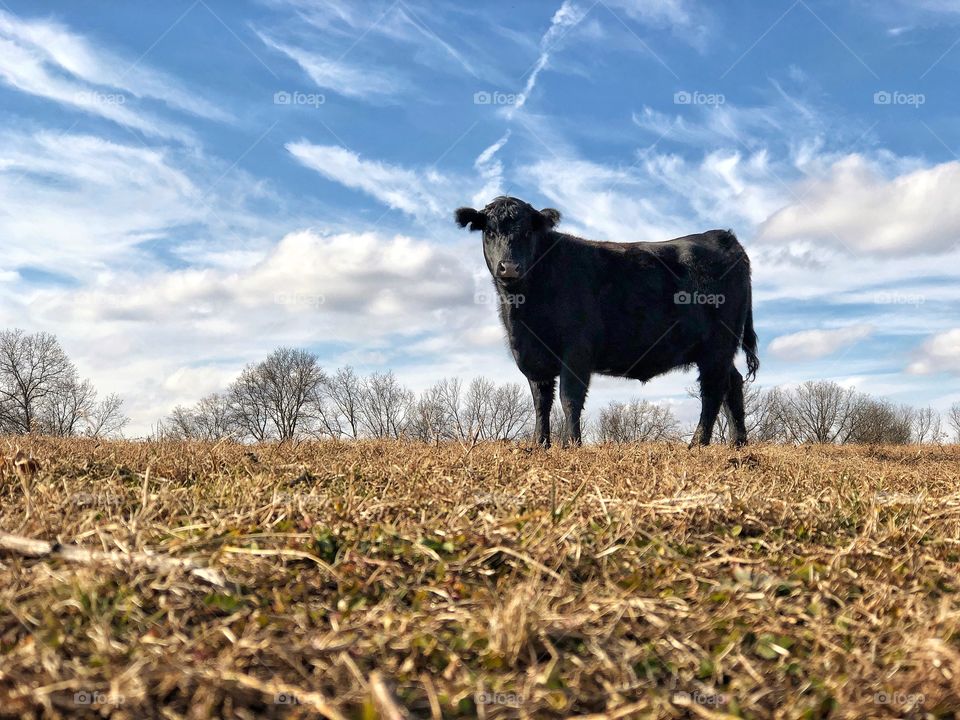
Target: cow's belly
644,361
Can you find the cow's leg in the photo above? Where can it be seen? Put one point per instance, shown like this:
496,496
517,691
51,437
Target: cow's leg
733,405
713,389
574,382
542,402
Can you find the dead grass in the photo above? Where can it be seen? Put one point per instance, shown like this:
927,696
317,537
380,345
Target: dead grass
397,580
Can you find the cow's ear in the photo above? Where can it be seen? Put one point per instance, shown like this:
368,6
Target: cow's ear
551,218
468,216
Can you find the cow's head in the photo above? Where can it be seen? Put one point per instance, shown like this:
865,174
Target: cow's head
514,235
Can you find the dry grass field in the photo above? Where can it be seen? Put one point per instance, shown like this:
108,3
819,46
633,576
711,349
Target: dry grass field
393,580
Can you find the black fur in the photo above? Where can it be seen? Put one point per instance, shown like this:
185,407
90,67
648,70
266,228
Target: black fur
573,307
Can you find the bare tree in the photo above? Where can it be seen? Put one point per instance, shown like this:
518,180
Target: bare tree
293,380
339,407
510,413
32,368
927,426
486,411
65,409
818,412
881,422
277,397
636,421
249,404
40,391
495,412
761,407
383,403
106,417
427,419
953,417
449,394
213,417
179,424
477,406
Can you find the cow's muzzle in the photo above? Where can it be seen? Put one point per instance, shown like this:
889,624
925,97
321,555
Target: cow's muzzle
508,271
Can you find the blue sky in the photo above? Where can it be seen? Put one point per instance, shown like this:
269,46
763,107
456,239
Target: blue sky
187,185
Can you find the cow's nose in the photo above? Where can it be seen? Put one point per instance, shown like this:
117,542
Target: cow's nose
508,270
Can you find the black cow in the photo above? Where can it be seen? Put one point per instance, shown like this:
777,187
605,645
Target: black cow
573,307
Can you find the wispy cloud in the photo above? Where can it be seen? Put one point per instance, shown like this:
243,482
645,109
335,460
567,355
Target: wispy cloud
74,204
567,17
351,25
491,170
422,193
814,344
684,17
340,76
399,188
75,200
46,59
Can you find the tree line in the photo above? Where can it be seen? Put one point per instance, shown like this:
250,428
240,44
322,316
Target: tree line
821,411
289,396
41,391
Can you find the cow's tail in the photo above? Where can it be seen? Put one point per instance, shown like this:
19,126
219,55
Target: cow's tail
749,342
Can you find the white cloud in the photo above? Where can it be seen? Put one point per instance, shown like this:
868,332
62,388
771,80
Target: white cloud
169,336
423,193
76,204
346,25
814,344
725,189
857,206
406,190
338,75
305,275
941,353
604,202
491,170
45,59
75,200
676,14
737,126
567,17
